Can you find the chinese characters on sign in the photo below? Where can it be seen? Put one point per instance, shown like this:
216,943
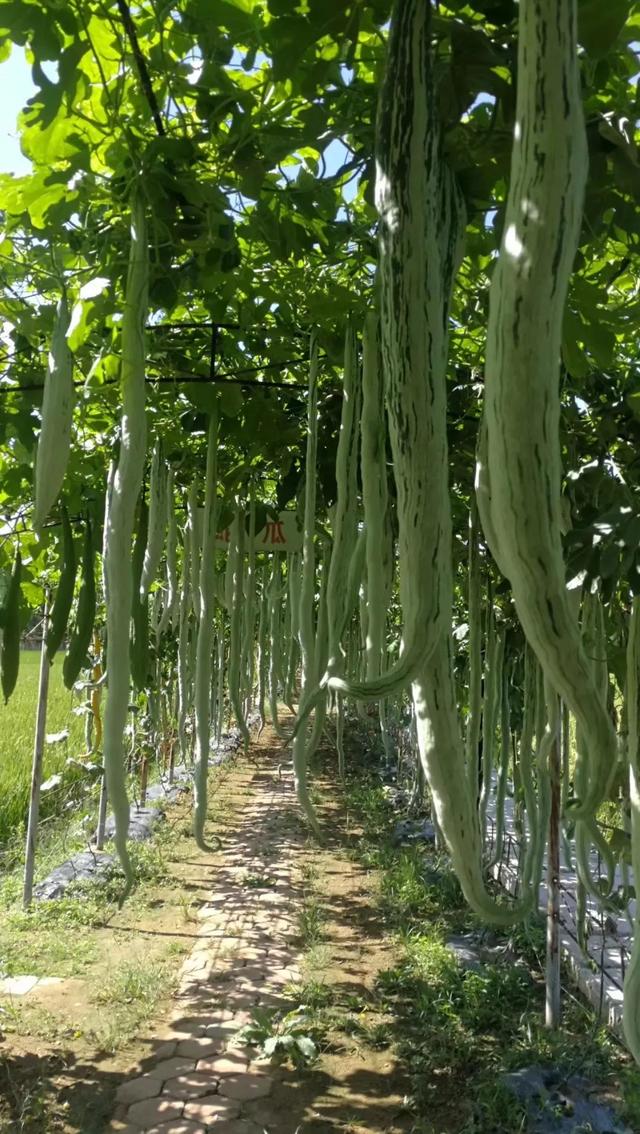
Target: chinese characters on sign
280,533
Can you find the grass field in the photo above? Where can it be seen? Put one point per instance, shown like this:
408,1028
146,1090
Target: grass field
17,724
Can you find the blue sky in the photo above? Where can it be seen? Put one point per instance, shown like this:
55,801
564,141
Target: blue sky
16,86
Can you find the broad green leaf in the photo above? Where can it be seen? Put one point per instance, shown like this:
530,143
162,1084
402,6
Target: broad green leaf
600,23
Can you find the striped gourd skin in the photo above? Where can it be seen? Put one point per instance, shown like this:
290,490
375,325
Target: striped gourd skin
54,442
249,606
492,678
274,592
374,492
587,831
293,602
204,647
157,522
522,401
631,1015
472,738
345,513
505,756
263,652
194,533
307,580
421,222
127,482
170,607
183,648
421,229
306,629
234,683
443,762
526,769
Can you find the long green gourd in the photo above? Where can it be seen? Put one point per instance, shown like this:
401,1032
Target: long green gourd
126,487
416,204
373,470
443,761
522,399
421,230
202,691
111,472
344,523
81,635
54,443
249,607
492,677
220,677
10,650
235,619
293,602
474,712
631,1013
587,831
262,647
275,646
321,653
420,243
194,530
503,765
527,777
64,593
139,643
306,629
183,648
170,607
157,522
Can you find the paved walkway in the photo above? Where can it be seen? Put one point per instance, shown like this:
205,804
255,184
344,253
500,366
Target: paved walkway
198,1078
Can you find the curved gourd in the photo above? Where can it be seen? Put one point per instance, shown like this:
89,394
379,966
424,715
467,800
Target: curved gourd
522,399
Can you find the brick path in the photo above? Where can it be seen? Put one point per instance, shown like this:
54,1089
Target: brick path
198,1079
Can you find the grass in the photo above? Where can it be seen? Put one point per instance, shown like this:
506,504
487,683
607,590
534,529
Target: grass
17,723
130,996
458,1031
59,937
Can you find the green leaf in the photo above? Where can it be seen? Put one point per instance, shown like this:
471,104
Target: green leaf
600,23
230,399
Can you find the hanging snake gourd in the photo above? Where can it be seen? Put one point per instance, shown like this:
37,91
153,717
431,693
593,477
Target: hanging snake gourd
54,443
124,495
204,647
157,522
522,400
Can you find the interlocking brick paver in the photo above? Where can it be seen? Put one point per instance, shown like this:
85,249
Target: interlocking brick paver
212,1109
246,1087
200,1047
134,1090
232,1063
238,1126
179,1127
169,1068
190,1086
151,1112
